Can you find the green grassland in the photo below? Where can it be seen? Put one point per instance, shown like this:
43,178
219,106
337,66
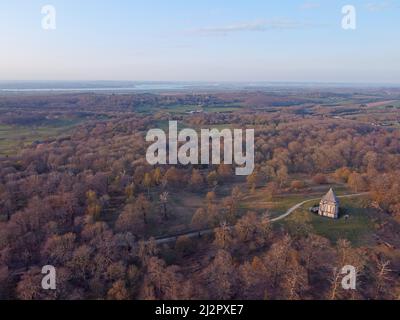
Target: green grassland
14,138
358,228
259,202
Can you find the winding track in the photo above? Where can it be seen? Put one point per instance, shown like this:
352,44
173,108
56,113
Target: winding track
201,233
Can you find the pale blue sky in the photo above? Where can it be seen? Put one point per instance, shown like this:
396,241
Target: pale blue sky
201,40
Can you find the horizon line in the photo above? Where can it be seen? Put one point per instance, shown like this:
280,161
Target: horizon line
199,81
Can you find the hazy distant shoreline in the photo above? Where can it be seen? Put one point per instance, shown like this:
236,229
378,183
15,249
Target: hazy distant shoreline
129,87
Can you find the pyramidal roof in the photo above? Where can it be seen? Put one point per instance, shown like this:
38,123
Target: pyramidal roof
330,196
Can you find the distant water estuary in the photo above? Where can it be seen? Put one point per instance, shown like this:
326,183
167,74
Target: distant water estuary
9,87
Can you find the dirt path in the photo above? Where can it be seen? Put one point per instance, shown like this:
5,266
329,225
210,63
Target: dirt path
199,234
297,206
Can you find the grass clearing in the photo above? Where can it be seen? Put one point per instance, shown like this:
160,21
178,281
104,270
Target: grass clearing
358,229
260,202
15,137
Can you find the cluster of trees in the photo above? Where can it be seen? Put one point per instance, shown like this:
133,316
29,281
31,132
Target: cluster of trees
252,261
301,268
85,203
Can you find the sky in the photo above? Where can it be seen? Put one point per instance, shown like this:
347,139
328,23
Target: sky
201,40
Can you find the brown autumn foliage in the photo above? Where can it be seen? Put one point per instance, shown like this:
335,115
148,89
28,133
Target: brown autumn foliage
86,202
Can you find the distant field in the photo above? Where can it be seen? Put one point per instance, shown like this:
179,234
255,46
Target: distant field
183,108
13,138
383,103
